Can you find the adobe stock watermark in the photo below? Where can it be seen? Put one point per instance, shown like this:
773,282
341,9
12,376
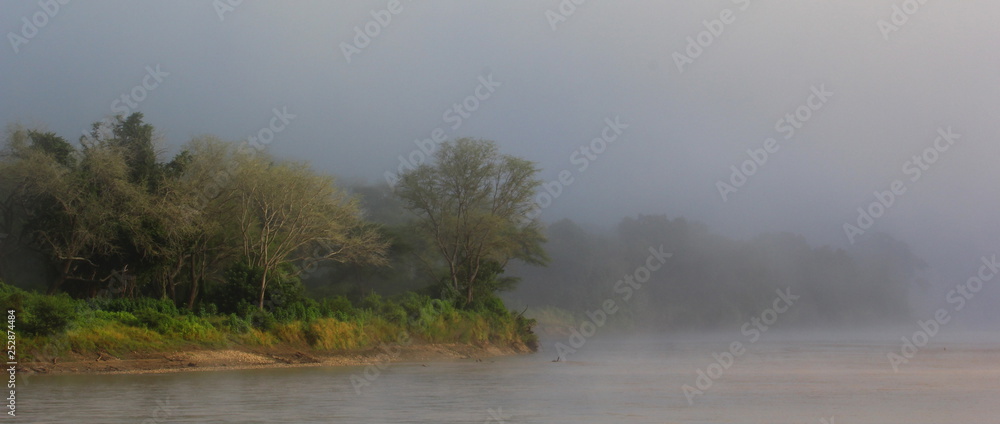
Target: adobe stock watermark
222,7
495,416
280,119
562,12
787,127
625,288
959,296
582,157
752,329
915,168
128,102
899,17
373,371
12,358
365,33
714,28
39,20
456,115
161,413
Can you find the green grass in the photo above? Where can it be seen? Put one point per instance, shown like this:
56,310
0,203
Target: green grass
59,327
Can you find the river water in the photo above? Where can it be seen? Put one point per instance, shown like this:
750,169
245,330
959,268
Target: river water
776,380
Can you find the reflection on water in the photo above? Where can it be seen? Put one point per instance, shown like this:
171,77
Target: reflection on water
775,381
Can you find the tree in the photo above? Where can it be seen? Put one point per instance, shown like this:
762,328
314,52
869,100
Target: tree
22,161
79,213
134,139
196,208
286,213
473,203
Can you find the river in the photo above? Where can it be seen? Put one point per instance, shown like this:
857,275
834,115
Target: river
775,380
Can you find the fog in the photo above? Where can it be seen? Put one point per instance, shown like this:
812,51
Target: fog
549,80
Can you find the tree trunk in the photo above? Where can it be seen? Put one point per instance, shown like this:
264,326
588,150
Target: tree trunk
62,277
194,286
263,287
173,293
172,279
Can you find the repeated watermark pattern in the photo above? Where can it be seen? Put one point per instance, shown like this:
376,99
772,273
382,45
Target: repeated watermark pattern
456,115
162,412
696,44
128,102
625,289
495,416
222,7
562,12
753,329
899,17
30,27
403,339
959,296
366,33
787,126
582,157
280,119
914,168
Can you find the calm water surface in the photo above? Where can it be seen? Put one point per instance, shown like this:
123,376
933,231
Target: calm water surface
607,381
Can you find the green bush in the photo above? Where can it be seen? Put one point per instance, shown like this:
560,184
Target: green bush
154,320
259,319
372,302
49,314
163,306
491,305
339,307
123,317
285,297
39,314
238,324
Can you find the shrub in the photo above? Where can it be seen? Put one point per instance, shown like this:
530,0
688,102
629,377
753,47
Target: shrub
238,325
163,306
339,307
331,334
154,320
39,314
260,319
123,317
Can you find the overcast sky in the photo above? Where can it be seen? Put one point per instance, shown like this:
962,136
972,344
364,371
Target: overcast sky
548,80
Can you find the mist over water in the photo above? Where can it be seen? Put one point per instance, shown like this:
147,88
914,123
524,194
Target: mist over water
787,377
756,212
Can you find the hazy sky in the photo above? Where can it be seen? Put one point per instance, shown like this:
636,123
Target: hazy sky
552,78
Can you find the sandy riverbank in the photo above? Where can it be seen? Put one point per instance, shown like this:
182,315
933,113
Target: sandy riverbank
273,357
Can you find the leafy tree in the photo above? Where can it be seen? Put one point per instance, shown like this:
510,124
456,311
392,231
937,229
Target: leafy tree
473,202
135,141
286,214
80,212
201,237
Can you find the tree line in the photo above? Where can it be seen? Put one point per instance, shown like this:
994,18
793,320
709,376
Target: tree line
713,281
108,212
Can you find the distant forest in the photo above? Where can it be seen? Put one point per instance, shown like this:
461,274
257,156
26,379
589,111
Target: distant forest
221,224
711,281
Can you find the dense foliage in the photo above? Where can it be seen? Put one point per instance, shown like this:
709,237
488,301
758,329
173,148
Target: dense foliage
215,244
226,244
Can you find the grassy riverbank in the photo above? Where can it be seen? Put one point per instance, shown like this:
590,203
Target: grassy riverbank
54,329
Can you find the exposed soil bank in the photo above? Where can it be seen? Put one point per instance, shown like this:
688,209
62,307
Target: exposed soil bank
271,357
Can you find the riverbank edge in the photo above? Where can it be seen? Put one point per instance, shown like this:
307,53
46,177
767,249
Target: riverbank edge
243,358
